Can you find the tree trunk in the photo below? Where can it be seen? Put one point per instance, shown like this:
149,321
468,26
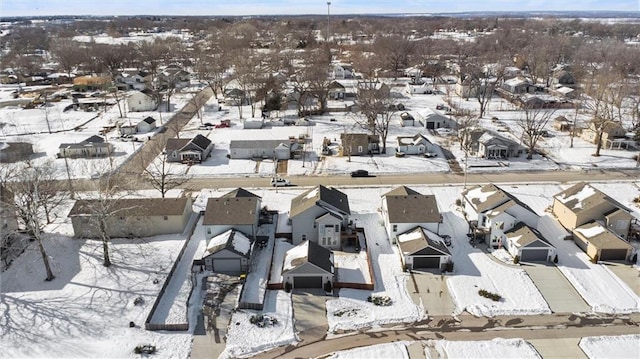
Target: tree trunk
45,259
105,245
598,144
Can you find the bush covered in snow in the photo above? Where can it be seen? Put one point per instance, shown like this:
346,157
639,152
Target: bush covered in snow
145,349
263,321
492,296
383,301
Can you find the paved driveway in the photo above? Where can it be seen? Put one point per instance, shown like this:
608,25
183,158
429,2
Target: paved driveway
431,287
628,274
310,314
556,289
559,348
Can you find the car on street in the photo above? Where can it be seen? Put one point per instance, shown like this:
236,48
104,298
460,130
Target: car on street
280,182
444,131
360,173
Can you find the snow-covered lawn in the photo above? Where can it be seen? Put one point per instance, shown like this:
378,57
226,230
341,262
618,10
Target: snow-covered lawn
623,346
351,310
352,267
489,349
255,284
85,311
245,339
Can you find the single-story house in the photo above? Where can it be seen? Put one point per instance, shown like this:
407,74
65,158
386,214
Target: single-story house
359,144
404,208
414,145
407,120
527,244
15,151
583,203
421,248
251,149
138,101
610,132
131,217
601,244
493,146
342,71
91,83
238,209
228,253
320,215
308,265
94,146
188,150
518,85
426,87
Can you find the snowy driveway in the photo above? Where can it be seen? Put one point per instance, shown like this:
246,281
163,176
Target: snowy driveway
310,315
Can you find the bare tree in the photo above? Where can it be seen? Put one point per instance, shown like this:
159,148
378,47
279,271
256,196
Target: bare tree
464,126
34,200
162,175
377,106
603,104
394,51
532,125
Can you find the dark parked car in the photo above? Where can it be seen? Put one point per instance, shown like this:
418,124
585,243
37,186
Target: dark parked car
360,173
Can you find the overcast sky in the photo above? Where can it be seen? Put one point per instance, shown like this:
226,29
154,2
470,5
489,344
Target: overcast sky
292,7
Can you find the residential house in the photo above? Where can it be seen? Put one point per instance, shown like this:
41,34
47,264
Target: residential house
404,208
132,79
188,150
15,151
562,124
268,149
308,265
424,87
494,146
228,253
342,90
491,211
407,120
414,145
359,144
421,248
11,245
527,244
320,215
518,85
431,120
91,83
131,217
138,101
582,203
600,243
173,77
563,78
611,132
238,209
342,71
94,146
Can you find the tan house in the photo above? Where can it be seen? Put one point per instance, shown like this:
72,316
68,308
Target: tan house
359,144
238,209
611,131
132,217
582,203
600,243
91,83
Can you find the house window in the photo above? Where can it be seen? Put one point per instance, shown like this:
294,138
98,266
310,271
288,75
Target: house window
395,227
337,228
208,230
304,237
359,149
315,225
166,218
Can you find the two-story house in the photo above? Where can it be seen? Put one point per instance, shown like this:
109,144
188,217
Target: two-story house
404,208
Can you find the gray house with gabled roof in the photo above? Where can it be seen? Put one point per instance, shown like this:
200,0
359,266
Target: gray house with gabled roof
404,208
238,209
320,215
94,146
249,149
527,244
421,248
308,265
188,150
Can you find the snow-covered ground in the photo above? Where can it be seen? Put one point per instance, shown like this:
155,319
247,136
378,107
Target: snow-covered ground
352,267
397,350
489,349
622,346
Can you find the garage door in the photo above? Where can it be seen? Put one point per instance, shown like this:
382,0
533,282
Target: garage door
426,262
431,125
613,254
307,282
534,255
227,266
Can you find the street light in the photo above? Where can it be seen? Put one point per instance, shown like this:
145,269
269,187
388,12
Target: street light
328,22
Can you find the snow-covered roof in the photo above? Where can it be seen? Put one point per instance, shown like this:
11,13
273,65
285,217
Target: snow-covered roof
308,252
232,240
600,237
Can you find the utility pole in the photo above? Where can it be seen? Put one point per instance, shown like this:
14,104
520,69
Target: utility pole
328,18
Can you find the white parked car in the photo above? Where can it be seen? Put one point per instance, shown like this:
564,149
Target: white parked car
444,131
280,182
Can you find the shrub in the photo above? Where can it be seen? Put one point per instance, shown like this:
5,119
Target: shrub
328,287
516,259
458,202
382,301
138,301
555,259
287,287
263,321
448,267
145,349
492,296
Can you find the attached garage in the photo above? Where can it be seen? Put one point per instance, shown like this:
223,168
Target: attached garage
426,262
307,282
535,255
613,254
227,266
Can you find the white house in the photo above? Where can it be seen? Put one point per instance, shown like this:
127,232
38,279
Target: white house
146,125
228,253
527,244
414,145
404,208
308,265
138,101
